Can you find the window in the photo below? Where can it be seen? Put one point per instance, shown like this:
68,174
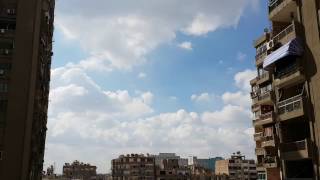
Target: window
4,69
3,87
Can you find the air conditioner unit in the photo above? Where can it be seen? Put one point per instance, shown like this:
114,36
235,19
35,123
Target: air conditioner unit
270,45
2,31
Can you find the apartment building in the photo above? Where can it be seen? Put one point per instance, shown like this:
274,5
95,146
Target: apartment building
170,169
182,162
134,166
207,164
79,170
236,168
26,29
285,94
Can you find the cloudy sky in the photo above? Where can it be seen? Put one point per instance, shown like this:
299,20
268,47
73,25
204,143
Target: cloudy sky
150,76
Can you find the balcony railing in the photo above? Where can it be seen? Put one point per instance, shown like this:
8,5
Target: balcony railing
289,29
270,160
265,95
294,146
291,104
287,71
266,116
258,136
273,4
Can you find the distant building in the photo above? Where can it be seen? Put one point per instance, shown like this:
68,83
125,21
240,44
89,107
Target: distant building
183,162
79,170
236,168
170,169
133,166
208,164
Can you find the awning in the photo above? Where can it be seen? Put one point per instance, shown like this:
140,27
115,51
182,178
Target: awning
294,48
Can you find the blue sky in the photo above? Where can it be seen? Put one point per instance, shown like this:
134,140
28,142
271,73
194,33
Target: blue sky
152,79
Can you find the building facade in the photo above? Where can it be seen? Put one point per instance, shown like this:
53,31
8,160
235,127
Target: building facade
133,167
79,170
170,169
26,30
207,164
165,156
285,94
236,168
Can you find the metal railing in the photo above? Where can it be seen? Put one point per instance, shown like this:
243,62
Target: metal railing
270,160
273,4
291,104
266,116
263,76
258,135
294,146
265,95
289,29
287,71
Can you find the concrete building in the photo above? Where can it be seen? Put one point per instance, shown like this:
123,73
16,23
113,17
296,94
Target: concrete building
236,168
134,166
285,94
183,162
26,29
170,169
79,170
208,164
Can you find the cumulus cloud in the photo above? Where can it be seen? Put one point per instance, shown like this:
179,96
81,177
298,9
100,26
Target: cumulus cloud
238,98
203,97
87,119
186,45
243,78
119,34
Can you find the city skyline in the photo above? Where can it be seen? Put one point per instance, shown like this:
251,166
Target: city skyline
152,77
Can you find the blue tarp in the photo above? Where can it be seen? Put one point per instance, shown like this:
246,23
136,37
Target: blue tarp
294,48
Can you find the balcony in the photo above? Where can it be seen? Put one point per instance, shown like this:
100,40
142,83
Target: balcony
258,136
270,162
286,35
255,107
268,142
254,81
281,10
266,76
289,76
266,98
296,150
260,58
260,167
260,151
264,119
255,99
291,108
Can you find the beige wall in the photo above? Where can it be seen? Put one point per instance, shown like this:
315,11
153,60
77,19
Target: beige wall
222,167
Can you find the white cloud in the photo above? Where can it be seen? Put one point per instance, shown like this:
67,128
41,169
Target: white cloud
203,97
239,98
87,119
243,78
119,34
186,45
142,75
